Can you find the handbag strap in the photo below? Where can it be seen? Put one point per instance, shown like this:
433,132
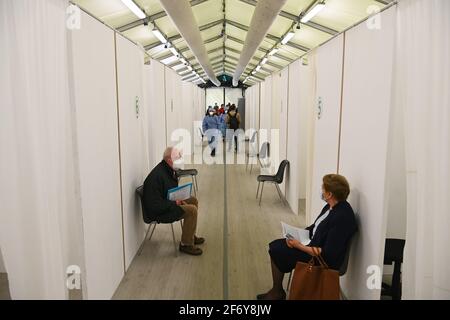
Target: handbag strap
317,255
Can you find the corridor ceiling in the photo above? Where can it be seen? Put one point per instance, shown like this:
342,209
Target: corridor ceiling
223,25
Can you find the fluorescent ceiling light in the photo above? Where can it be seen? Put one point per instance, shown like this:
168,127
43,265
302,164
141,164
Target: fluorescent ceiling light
274,50
183,60
134,8
254,72
159,35
174,51
190,68
315,10
258,68
264,60
287,37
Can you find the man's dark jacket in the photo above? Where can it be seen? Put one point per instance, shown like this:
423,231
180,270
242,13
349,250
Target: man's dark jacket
157,206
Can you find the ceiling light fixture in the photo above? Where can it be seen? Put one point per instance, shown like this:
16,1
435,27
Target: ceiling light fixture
315,10
134,8
174,51
288,37
264,60
258,68
273,51
159,35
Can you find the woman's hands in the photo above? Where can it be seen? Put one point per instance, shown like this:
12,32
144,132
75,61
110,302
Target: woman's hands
292,243
180,202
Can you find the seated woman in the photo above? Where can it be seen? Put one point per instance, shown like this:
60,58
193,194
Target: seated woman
330,233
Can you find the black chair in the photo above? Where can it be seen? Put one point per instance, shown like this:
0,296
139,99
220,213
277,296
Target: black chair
275,179
251,153
264,153
140,192
393,253
189,172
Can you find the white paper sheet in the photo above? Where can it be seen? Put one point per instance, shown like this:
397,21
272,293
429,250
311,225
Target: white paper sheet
299,234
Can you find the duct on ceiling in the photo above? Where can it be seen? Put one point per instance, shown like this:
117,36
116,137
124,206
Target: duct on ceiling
266,11
180,12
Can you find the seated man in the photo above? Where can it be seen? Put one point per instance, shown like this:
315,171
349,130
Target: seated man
158,182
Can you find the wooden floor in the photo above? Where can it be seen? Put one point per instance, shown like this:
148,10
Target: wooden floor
234,266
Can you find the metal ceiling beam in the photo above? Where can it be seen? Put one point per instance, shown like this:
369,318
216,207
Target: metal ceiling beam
269,36
261,49
295,18
152,17
178,36
187,48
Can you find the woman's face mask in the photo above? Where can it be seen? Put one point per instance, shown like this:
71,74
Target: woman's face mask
211,114
322,196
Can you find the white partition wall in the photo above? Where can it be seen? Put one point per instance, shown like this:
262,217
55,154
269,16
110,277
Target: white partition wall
232,95
174,101
156,110
94,82
133,144
214,95
364,141
327,105
283,122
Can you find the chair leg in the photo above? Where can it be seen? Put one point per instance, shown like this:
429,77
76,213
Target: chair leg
196,184
193,185
251,167
145,239
289,282
174,241
280,193
257,190
260,198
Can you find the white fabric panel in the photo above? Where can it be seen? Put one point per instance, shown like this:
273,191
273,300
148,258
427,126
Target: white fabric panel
422,82
213,96
293,143
133,141
173,103
265,113
363,154
283,124
40,225
308,116
156,106
94,81
232,95
328,89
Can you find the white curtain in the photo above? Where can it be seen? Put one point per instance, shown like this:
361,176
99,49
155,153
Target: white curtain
38,222
423,90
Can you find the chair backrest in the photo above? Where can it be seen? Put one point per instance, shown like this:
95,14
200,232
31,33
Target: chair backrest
140,193
253,138
344,265
280,173
265,150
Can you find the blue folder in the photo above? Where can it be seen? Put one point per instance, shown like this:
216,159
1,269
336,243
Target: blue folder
187,185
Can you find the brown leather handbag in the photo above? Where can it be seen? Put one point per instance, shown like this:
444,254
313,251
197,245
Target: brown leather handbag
314,282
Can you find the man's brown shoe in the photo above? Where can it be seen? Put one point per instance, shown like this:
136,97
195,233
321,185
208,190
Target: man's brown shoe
199,240
191,250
